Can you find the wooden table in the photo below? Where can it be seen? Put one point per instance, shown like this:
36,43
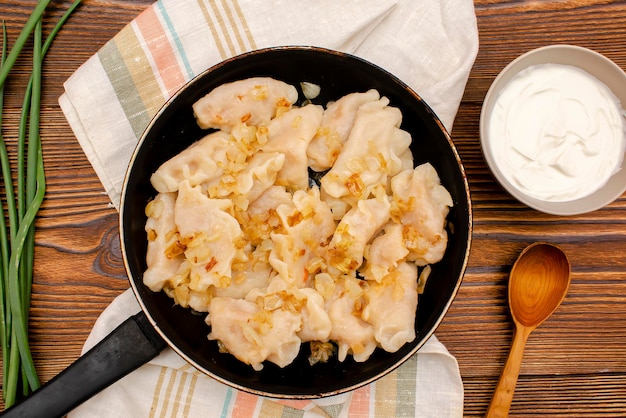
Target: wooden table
574,364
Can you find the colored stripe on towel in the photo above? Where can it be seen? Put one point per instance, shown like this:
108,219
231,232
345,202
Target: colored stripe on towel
171,28
159,51
407,390
125,89
228,27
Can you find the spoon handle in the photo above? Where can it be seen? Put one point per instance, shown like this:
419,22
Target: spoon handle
503,395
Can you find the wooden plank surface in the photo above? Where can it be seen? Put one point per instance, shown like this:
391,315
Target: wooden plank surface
574,364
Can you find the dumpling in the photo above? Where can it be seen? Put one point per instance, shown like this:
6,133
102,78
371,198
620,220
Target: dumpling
161,261
201,162
420,203
253,273
279,293
269,200
384,253
254,101
352,334
371,153
168,268
313,221
335,127
252,334
316,324
261,218
391,306
356,229
407,160
291,134
177,287
338,205
259,175
211,237
307,226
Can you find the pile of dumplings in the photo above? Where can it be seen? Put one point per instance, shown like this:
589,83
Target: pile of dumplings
239,232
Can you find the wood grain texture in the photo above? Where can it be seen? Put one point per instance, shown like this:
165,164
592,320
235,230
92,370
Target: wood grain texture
574,364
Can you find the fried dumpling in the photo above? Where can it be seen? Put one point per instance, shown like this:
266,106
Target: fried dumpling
352,334
211,237
385,252
254,101
371,153
393,327
253,334
307,226
421,204
335,127
201,162
259,175
291,134
161,261
253,273
316,324
261,218
356,229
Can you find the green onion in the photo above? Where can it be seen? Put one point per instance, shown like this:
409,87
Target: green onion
17,243
5,322
28,28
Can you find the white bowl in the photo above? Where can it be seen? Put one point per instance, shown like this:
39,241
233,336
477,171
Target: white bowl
587,60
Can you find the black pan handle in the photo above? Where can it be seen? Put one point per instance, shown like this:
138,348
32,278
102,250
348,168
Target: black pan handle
130,345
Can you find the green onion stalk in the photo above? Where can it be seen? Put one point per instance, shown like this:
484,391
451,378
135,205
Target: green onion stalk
22,203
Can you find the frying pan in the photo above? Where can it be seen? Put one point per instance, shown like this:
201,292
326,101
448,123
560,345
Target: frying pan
162,324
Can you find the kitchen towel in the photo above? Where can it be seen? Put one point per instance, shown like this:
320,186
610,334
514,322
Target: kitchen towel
430,45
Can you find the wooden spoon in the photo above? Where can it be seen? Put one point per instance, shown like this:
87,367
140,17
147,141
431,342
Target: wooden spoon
537,285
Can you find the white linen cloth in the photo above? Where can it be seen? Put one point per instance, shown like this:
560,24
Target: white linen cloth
430,45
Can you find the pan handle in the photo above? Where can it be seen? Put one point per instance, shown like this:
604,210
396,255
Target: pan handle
130,345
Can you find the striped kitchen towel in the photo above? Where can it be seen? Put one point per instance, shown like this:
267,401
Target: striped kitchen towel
430,45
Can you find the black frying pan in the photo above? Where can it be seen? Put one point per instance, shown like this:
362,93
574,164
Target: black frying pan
160,323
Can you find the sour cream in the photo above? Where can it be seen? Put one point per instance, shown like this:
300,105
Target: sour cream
557,132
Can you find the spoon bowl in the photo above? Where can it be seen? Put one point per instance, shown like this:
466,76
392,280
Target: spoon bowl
538,284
